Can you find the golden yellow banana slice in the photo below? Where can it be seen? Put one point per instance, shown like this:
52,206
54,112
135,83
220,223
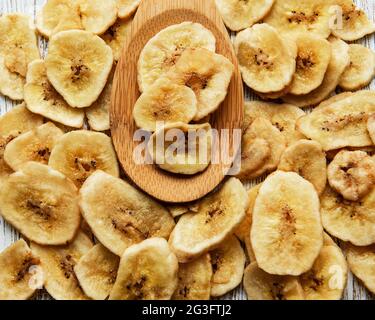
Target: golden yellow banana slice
127,7
11,83
115,36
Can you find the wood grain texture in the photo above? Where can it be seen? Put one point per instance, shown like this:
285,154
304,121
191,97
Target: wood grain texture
153,16
8,235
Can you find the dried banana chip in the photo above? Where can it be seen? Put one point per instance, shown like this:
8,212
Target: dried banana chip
267,61
5,170
127,7
41,203
239,15
308,159
115,36
58,264
165,101
11,83
148,271
17,263
286,232
120,215
78,64
218,215
163,50
260,285
194,279
42,98
96,272
79,153
228,264
371,127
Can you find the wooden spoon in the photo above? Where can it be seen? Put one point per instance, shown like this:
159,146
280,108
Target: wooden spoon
153,16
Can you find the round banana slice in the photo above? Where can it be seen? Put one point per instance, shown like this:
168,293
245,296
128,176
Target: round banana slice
115,36
58,264
260,285
120,215
349,220
127,7
313,57
96,272
228,264
167,102
42,98
148,271
163,50
18,42
182,148
16,277
41,203
286,232
34,145
11,83
352,174
371,127
209,81
239,15
78,64
194,279
361,70
361,262
267,62
262,147
79,153
217,217
342,123
339,61
308,159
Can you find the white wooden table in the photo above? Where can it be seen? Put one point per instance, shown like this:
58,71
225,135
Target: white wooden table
8,235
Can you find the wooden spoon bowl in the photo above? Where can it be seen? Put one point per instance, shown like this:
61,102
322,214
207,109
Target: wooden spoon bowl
153,16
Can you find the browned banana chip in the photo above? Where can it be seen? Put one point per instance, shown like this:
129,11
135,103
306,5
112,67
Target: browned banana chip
120,215
308,159
371,127
286,232
127,7
194,279
228,263
115,36
18,276
148,271
58,266
218,215
96,272
260,285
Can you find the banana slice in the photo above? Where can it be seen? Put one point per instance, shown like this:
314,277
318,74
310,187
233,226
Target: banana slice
352,174
5,170
16,265
115,36
11,83
355,23
189,154
286,232
349,220
58,264
42,98
314,55
167,102
361,262
119,215
209,81
339,61
78,64
79,153
18,42
218,215
371,127
42,204
282,116
239,15
249,249
148,271
127,7
96,272
163,50
260,285
342,123
34,145
194,279
308,159
228,264
361,70
267,62
262,147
